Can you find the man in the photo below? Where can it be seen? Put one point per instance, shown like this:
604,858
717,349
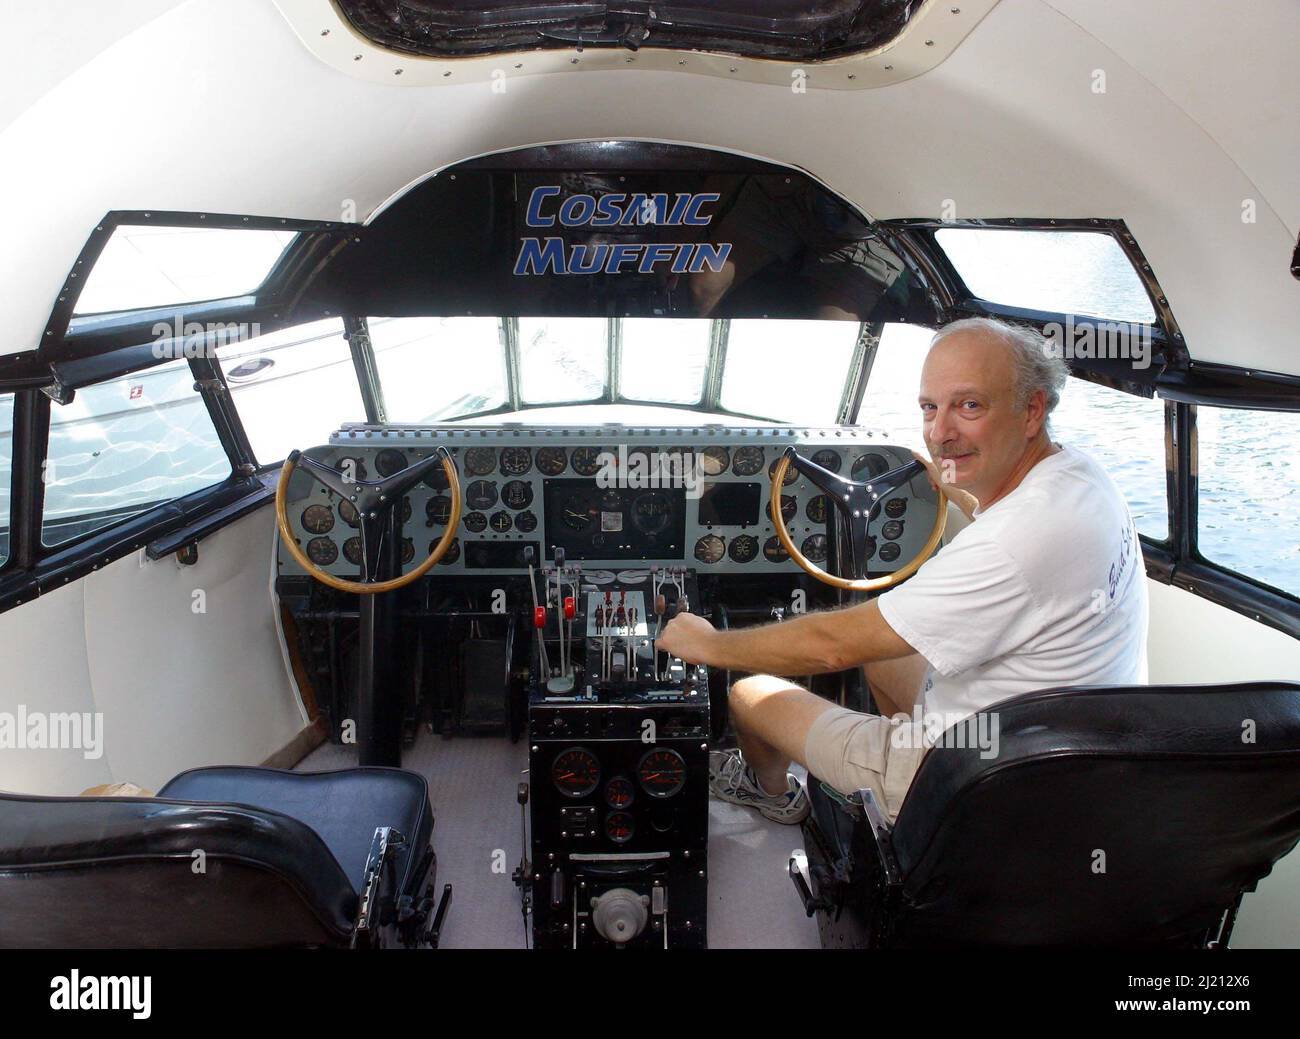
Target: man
1044,588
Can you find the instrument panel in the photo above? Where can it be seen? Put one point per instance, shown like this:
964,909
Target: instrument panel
612,496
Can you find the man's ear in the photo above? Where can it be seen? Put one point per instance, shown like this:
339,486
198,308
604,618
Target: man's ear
1035,413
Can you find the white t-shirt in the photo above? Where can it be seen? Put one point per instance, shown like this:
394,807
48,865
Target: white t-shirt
1045,588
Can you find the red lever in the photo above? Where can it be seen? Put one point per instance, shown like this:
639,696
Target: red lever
570,608
539,616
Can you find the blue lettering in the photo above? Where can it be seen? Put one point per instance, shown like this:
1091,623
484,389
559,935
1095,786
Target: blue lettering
607,211
692,216
657,253
679,208
540,257
534,217
711,256
582,262
623,252
568,210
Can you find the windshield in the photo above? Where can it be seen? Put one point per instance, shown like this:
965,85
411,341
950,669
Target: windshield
445,368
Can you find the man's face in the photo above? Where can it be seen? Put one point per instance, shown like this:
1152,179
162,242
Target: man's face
969,418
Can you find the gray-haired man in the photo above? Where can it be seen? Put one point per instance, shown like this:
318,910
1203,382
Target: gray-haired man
1045,588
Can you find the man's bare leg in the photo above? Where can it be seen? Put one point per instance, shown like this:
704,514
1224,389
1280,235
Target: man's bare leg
896,684
772,717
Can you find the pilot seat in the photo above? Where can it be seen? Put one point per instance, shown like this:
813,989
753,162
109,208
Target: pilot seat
225,857
1109,816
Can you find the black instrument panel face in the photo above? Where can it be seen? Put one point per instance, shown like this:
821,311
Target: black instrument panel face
593,522
611,497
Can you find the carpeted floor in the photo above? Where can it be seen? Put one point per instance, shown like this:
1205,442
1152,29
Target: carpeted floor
477,837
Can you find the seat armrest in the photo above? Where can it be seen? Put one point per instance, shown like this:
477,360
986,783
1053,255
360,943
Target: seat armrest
377,899
881,839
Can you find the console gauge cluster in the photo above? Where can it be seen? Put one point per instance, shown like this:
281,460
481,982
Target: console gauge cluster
613,497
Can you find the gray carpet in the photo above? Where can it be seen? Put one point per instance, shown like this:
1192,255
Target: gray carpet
472,783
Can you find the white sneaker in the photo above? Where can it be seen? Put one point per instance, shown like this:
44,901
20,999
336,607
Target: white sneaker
732,780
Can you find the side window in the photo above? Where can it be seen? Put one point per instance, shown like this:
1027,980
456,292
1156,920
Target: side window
6,469
293,387
1126,435
889,402
1248,493
122,447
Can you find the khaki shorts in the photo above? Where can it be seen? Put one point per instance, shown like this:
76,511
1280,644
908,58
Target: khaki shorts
849,750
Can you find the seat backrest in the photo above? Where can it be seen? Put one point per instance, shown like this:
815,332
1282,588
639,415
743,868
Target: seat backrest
125,872
1131,815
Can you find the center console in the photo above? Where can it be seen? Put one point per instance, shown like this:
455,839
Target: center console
618,762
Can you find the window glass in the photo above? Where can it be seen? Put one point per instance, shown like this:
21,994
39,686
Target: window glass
6,469
562,358
664,359
793,371
161,266
1248,493
120,448
434,368
1067,272
1126,435
889,402
293,387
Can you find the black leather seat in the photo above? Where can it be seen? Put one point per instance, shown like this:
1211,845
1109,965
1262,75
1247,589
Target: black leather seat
223,857
1131,816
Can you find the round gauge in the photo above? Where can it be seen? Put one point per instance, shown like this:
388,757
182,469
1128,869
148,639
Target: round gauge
453,552
501,521
318,519
438,510
619,792
517,494
709,548
828,459
870,547
791,473
789,507
895,507
747,461
390,461
551,460
743,548
481,494
815,510
890,551
611,501
436,478
814,548
348,513
526,521
651,512
406,509
515,461
869,466
714,460
475,522
479,461
408,550
352,551
586,460
322,551
774,551
575,772
619,827
577,513
662,772
893,530
351,468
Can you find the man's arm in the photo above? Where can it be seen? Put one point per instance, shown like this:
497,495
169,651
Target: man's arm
812,644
